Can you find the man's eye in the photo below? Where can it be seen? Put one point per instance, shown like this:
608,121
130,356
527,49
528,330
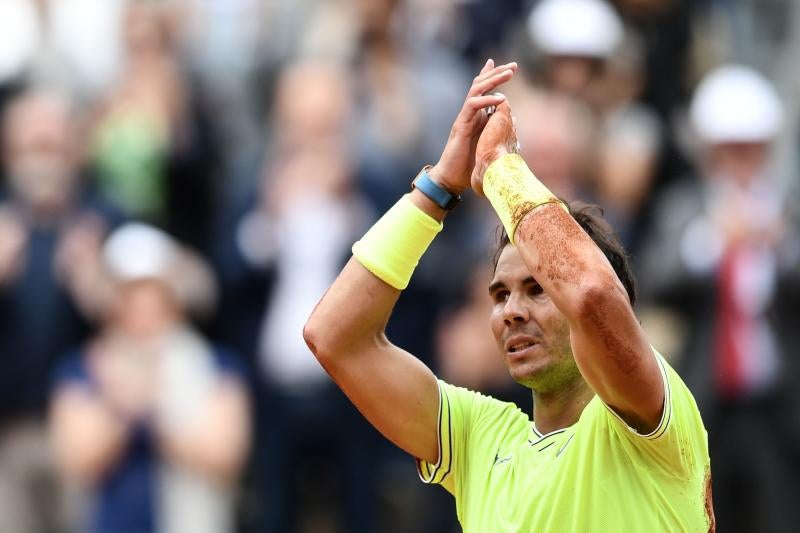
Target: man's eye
536,290
500,296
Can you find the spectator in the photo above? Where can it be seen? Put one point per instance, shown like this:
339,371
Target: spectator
166,410
402,83
556,133
150,149
722,249
47,221
588,54
664,27
306,187
630,147
575,39
627,152
405,83
312,109
655,59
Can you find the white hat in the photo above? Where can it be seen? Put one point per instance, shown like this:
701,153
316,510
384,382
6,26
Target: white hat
138,251
587,28
736,104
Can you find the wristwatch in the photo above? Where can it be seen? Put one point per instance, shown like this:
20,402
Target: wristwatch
438,195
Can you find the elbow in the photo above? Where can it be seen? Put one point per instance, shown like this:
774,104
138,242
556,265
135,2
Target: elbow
321,339
599,295
330,340
312,335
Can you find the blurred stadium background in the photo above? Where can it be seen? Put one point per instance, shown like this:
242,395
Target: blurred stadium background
183,178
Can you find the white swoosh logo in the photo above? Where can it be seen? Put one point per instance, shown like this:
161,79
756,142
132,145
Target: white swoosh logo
565,445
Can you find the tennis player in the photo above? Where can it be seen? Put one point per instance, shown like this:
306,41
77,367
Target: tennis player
616,443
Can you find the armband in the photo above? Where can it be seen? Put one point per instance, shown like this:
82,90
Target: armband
514,191
392,248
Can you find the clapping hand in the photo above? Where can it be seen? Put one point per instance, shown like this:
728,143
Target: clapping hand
455,167
499,137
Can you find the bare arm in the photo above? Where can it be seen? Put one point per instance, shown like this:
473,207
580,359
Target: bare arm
608,343
609,346
392,388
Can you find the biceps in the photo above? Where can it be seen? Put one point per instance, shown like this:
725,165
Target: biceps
397,393
616,360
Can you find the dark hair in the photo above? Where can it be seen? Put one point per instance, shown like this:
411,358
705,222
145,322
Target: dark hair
590,218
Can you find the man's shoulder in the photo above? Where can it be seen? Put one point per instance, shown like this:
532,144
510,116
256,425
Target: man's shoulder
482,415
679,403
476,399
679,443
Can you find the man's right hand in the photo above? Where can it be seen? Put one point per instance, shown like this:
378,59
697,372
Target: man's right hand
454,169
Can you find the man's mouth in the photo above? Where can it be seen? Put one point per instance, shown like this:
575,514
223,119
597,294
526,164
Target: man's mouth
520,346
519,343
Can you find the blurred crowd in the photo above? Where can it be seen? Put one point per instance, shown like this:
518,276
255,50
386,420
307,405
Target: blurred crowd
182,179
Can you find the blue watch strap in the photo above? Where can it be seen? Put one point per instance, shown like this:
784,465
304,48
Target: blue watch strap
439,196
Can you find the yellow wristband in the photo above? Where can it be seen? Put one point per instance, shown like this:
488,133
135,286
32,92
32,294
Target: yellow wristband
514,191
392,248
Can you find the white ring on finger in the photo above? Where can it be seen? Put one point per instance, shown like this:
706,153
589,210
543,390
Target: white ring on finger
492,108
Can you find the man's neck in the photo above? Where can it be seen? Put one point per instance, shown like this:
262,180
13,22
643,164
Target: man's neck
561,408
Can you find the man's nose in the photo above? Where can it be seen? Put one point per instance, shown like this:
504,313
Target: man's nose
515,310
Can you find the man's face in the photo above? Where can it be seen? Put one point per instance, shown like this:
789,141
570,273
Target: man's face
530,331
40,151
145,309
742,162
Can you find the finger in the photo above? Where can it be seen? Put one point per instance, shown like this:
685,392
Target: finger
491,109
490,84
480,83
491,72
495,69
488,66
476,103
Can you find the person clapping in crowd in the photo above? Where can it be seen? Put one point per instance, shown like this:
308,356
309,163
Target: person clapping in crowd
166,411
48,223
724,255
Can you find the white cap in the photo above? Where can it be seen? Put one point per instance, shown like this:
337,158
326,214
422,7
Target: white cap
735,104
138,251
587,28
